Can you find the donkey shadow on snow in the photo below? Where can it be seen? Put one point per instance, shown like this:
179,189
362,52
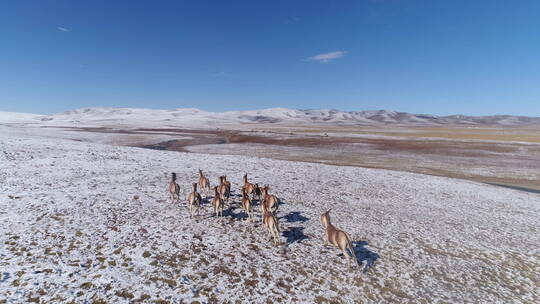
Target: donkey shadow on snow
362,254
295,234
294,217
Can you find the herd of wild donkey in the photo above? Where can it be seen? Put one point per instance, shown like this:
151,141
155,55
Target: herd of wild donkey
269,205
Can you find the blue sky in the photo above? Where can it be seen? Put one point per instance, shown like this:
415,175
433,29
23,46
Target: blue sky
439,57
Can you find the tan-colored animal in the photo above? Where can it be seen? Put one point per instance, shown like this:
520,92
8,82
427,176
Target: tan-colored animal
226,182
224,188
204,183
248,187
247,205
269,201
217,203
257,192
270,222
194,200
338,238
174,189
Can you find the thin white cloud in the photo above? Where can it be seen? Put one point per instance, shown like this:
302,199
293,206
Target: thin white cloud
62,29
221,74
326,57
291,20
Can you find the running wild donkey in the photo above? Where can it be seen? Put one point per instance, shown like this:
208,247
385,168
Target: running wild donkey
174,189
204,183
217,203
194,200
338,238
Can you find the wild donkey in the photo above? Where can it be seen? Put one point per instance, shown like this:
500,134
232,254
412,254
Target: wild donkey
227,183
224,188
247,206
338,238
257,192
204,183
174,189
269,201
194,200
248,187
217,203
270,221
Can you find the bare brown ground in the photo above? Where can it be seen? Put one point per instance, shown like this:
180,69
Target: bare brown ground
501,156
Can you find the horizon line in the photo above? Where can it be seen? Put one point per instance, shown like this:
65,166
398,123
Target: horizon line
285,108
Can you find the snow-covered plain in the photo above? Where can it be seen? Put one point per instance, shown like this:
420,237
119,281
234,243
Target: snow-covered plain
90,223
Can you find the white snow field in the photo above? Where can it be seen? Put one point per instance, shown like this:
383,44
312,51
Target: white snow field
91,223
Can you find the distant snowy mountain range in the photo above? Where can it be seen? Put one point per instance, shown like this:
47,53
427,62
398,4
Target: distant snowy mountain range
196,117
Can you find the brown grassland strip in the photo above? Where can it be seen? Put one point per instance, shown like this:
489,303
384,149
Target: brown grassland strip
441,146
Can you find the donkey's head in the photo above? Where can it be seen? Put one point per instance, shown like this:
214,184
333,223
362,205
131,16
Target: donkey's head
325,218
